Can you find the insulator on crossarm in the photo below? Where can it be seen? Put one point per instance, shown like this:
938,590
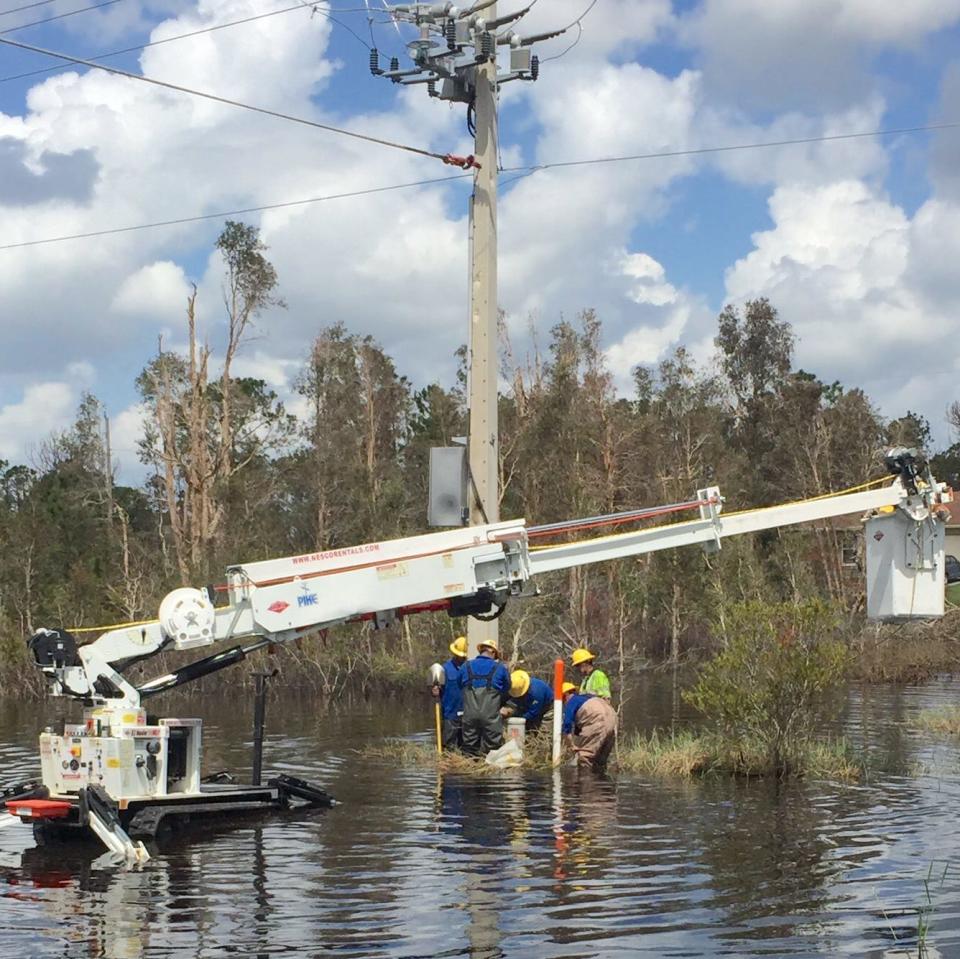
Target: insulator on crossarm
432,88
450,32
375,62
487,45
394,64
534,67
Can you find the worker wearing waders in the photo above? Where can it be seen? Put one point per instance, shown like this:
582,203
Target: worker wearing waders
485,683
590,725
530,699
594,680
451,696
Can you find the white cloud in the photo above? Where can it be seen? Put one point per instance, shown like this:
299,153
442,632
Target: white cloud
158,290
866,289
810,53
44,408
811,163
126,430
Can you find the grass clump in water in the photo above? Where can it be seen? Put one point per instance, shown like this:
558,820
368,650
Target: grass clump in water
683,754
943,720
687,753
406,752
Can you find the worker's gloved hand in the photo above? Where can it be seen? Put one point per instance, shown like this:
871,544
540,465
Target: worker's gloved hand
435,691
506,712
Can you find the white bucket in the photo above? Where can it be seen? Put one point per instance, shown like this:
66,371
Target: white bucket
516,729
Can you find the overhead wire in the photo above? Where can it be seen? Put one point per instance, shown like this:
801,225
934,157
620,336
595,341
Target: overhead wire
61,16
227,101
223,214
155,43
519,173
300,5
578,23
764,144
315,8
26,6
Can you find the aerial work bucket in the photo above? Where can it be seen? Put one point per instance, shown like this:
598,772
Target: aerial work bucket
905,566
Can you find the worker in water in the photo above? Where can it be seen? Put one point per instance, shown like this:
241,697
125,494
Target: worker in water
530,699
451,696
594,680
590,725
485,684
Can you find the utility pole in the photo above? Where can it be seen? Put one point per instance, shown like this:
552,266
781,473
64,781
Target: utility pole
457,50
483,447
107,474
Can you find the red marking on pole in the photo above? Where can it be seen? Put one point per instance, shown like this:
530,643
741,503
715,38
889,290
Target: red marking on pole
558,674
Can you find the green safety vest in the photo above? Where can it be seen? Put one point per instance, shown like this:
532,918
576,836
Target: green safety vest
596,683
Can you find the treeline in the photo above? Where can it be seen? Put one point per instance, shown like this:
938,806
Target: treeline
234,476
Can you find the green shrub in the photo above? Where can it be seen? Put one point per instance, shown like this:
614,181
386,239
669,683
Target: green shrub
769,687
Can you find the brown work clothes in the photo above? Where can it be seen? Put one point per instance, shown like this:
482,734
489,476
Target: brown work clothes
595,730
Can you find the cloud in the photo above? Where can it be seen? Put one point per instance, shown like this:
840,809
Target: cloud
665,314
158,290
126,430
867,290
44,408
945,154
812,163
51,176
804,53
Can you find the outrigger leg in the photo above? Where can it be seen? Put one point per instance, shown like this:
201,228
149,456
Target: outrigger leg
99,812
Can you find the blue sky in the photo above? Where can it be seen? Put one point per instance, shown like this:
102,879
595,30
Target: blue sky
856,242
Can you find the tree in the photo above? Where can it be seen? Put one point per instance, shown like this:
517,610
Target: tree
354,437
769,688
201,434
756,350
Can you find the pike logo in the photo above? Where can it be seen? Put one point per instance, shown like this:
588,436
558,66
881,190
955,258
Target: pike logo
278,607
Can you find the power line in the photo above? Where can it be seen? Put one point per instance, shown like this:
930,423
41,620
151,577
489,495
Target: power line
156,43
26,6
666,154
61,16
446,158
250,209
520,173
315,8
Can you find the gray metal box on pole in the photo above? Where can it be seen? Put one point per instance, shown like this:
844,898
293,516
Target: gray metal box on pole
449,504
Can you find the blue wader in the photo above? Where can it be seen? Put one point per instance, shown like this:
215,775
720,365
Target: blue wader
482,727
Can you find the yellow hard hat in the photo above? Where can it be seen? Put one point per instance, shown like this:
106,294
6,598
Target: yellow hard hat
490,644
568,688
459,646
581,656
519,682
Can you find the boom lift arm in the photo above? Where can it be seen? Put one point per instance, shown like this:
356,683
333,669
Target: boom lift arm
475,570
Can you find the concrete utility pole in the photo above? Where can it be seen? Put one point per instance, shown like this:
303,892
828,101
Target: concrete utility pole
457,49
483,444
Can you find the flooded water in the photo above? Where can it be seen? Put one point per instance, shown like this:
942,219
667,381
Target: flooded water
412,864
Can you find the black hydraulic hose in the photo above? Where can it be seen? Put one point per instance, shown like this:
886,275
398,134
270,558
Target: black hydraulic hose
202,667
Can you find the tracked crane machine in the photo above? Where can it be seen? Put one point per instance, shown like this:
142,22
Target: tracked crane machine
120,774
